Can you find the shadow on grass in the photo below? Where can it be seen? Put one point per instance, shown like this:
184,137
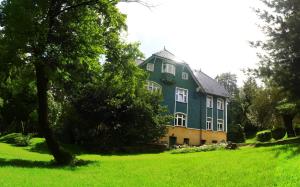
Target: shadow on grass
288,151
42,148
40,164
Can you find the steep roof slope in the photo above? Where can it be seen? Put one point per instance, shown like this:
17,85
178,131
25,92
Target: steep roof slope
168,55
210,85
205,83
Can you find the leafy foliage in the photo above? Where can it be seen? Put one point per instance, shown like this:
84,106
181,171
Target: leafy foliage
280,60
264,136
236,133
278,133
125,114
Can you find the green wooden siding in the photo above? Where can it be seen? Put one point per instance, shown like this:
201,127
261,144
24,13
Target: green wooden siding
196,106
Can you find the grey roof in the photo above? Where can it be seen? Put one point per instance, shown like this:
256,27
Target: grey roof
205,82
139,61
168,55
210,85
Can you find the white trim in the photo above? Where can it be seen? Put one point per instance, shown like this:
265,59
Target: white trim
183,118
185,76
185,96
170,68
226,116
150,66
212,101
211,123
153,86
221,107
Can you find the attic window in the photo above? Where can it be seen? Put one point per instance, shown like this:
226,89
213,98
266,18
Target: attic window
185,76
168,68
150,67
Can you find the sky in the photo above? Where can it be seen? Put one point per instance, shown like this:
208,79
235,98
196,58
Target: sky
211,35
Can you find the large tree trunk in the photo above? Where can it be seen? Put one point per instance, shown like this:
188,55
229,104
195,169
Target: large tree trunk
288,123
60,156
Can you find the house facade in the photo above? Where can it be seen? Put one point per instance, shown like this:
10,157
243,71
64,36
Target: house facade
197,101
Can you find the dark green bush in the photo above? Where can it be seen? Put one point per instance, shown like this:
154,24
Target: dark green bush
17,139
264,136
297,129
236,134
278,133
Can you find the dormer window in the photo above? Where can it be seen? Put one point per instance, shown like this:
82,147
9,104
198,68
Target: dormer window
185,76
150,67
168,68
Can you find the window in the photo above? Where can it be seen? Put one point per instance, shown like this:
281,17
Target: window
186,141
153,86
180,119
220,124
185,76
150,67
209,123
220,104
181,95
168,68
209,101
214,141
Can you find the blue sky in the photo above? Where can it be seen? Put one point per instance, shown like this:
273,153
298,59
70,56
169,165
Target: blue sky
211,35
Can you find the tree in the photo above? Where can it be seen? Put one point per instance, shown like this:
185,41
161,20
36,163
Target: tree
288,111
54,36
280,59
229,81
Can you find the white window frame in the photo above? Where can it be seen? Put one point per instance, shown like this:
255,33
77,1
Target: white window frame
209,127
220,122
183,117
150,67
185,76
220,104
153,86
209,101
168,68
181,92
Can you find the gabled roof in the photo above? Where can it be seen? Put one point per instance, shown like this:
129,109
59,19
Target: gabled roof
210,85
139,61
168,55
205,83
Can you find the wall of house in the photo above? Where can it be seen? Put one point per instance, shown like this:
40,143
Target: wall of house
194,135
195,109
192,108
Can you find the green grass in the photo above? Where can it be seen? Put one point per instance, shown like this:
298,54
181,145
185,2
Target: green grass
248,166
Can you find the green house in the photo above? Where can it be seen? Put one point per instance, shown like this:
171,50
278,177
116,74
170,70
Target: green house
198,102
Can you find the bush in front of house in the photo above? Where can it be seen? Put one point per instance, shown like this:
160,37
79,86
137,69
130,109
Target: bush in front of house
236,134
203,148
278,133
264,136
297,129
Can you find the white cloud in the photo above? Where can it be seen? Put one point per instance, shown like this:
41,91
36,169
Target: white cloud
211,35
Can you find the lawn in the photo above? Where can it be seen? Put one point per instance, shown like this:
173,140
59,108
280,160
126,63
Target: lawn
248,166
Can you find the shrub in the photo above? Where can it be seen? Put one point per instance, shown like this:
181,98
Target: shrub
297,129
236,134
278,133
264,136
202,148
17,139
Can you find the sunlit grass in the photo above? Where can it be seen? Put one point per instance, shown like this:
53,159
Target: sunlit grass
266,166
